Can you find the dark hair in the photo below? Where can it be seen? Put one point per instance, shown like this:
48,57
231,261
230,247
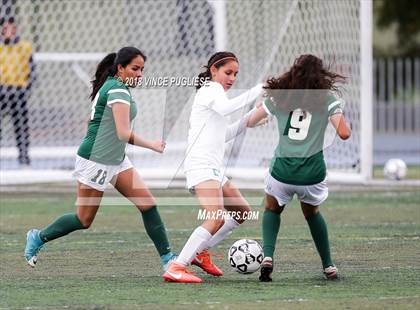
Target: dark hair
307,72
108,66
218,59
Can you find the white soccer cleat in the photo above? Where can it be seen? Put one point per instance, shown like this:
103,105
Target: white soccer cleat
331,273
32,261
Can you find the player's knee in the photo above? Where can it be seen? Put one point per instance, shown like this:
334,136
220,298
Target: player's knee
85,218
309,212
274,206
144,208
144,204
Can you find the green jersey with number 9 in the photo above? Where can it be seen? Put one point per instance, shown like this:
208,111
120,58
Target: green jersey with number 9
299,158
101,143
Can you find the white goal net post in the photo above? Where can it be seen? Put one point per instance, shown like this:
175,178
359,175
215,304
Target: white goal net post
69,38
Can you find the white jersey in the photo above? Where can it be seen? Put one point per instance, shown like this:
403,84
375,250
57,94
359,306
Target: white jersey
208,125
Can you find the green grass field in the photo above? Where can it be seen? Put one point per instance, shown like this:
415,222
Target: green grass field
413,172
375,238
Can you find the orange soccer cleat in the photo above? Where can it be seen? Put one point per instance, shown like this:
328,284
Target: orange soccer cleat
179,273
203,260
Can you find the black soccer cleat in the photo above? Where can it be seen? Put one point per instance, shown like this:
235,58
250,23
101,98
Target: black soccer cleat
266,270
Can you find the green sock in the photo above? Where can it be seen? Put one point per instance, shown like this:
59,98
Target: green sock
270,228
319,233
156,230
62,226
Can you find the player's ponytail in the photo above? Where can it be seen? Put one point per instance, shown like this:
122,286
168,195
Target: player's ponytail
108,66
203,77
218,60
105,68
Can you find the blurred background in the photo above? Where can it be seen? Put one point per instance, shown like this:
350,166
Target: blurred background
396,74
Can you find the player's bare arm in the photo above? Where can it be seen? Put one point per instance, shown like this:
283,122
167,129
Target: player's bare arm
257,117
340,125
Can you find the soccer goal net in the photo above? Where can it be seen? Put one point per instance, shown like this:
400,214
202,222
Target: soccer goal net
69,38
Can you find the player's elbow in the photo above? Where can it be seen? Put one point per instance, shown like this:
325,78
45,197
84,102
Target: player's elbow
345,134
123,135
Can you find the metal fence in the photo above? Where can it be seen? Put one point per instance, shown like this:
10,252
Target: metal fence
396,83
396,114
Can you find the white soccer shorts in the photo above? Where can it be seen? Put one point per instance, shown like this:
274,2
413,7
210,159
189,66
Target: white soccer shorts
98,175
198,176
314,194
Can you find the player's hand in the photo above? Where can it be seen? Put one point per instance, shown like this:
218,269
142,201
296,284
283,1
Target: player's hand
158,146
262,122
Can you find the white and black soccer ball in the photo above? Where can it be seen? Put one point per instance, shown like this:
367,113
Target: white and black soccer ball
245,256
395,169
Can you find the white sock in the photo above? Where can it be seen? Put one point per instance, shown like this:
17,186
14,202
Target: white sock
195,244
224,231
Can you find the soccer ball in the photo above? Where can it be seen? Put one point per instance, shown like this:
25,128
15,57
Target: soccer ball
245,256
395,169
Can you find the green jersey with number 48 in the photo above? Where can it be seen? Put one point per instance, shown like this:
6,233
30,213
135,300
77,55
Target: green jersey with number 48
101,143
299,158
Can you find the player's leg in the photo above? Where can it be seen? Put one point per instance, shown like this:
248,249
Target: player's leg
277,195
21,125
233,202
271,224
130,185
314,195
210,197
270,228
88,201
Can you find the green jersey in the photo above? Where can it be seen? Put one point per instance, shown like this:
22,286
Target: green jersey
101,143
299,157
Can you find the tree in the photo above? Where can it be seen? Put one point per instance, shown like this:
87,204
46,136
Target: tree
405,14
